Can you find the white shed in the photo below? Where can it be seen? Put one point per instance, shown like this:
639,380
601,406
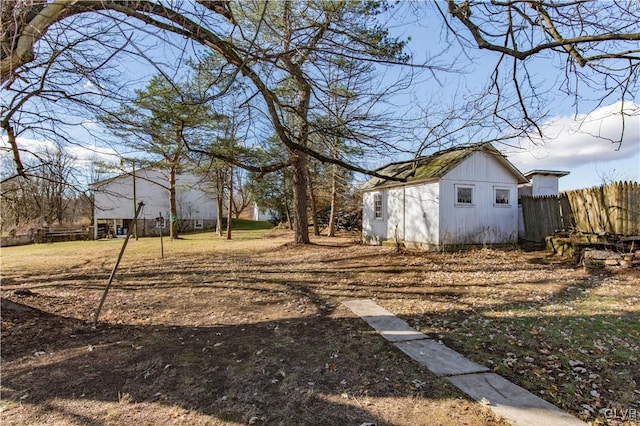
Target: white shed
463,195
114,202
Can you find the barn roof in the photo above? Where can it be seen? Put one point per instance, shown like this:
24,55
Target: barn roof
435,166
125,175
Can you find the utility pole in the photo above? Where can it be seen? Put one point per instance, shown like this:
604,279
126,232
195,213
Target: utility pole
135,221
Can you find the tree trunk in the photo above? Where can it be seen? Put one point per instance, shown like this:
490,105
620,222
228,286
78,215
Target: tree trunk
300,221
219,200
287,207
230,207
173,209
312,199
334,201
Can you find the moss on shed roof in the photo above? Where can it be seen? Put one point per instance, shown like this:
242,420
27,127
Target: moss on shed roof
434,166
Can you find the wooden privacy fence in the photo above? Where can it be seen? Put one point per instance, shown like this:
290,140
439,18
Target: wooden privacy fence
545,215
613,208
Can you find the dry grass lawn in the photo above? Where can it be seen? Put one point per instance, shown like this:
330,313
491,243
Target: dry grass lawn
252,331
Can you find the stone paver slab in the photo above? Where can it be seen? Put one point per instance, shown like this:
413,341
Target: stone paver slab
384,322
517,405
439,359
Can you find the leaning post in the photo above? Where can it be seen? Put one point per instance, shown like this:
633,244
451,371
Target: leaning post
115,267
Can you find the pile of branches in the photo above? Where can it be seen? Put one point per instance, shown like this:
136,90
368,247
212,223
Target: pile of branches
346,220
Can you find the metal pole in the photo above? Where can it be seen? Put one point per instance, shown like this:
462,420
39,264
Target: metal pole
115,267
161,243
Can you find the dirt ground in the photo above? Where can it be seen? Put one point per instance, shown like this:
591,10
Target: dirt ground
255,333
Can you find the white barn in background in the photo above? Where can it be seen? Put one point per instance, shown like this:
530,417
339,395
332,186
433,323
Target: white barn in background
262,213
114,203
463,195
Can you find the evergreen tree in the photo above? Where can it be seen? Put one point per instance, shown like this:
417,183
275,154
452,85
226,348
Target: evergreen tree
159,122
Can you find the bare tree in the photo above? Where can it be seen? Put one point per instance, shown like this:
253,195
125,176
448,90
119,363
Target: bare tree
44,193
598,42
242,197
598,39
66,73
346,126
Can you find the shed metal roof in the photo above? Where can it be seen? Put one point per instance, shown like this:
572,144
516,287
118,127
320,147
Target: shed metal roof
559,173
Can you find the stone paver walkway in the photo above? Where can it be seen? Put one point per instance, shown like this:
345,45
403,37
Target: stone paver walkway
515,404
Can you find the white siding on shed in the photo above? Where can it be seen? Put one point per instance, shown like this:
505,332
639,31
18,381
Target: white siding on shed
374,230
458,196
480,167
542,185
394,213
409,213
483,222
422,213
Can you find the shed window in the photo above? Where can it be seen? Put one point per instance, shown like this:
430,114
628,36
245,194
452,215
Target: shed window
198,224
377,206
502,196
464,195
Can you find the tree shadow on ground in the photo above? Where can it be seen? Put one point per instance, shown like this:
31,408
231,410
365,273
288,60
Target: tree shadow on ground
308,370
281,368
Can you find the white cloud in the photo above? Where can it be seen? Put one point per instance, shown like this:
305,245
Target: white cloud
30,145
84,155
574,141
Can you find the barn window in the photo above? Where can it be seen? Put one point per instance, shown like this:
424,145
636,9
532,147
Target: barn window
198,223
377,206
502,196
464,195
